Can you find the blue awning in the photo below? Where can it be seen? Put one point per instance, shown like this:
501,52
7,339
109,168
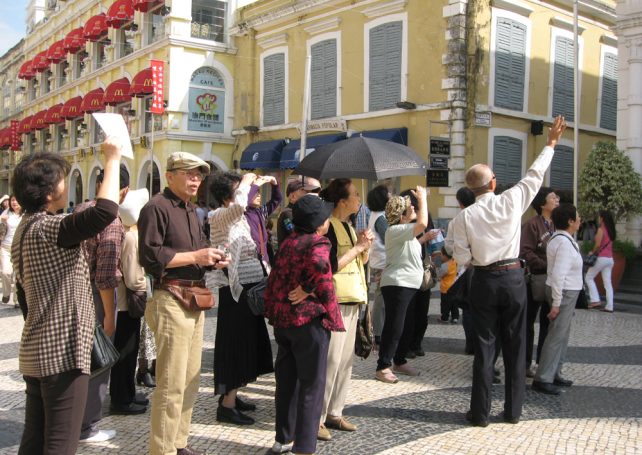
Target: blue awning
262,155
398,135
290,153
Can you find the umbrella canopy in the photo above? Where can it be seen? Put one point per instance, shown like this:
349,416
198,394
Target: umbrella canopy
362,158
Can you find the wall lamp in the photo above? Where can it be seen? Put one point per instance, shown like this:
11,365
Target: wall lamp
131,112
408,105
251,128
165,10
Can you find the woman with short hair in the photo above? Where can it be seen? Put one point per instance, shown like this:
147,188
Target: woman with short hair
57,338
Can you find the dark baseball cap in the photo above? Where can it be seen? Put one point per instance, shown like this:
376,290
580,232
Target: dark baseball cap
124,176
297,184
310,212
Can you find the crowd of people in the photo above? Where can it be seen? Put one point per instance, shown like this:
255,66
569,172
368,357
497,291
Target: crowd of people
144,269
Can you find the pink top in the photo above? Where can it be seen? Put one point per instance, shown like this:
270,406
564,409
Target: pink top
607,251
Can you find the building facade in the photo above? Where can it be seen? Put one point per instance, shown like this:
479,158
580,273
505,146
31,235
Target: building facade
92,56
482,75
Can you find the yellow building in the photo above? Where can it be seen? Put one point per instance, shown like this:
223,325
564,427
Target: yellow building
94,56
481,75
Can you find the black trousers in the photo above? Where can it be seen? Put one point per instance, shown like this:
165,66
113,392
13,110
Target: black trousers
53,413
498,306
122,383
422,303
533,307
448,309
397,327
300,370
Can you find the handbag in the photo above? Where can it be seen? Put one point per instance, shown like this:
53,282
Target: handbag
363,340
430,273
103,353
191,298
591,259
255,296
136,302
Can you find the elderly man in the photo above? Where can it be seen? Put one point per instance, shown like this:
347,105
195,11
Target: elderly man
173,249
296,189
487,235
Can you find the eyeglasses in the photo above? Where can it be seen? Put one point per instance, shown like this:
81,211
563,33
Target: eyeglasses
192,175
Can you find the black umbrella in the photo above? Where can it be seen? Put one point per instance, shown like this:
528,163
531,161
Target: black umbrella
361,158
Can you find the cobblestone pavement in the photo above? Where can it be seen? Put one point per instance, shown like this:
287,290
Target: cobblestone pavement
600,414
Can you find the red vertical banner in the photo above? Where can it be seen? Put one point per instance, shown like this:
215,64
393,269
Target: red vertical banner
15,137
158,80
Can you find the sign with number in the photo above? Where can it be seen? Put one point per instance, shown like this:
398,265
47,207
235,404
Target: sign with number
440,146
436,178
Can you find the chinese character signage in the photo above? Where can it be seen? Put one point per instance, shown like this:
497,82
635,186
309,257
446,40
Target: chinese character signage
158,75
439,146
15,137
206,101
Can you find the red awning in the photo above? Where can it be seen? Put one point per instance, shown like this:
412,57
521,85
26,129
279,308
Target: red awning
53,116
57,52
142,84
75,40
93,101
26,70
145,5
40,62
25,125
38,120
71,109
96,27
5,139
117,92
119,12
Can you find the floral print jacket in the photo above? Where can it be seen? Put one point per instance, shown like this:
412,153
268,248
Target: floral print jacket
303,259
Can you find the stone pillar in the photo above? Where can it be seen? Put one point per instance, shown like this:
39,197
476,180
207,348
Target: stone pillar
634,120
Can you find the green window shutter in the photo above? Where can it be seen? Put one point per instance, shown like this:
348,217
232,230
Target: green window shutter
507,160
563,79
562,168
274,89
510,64
323,79
608,109
385,65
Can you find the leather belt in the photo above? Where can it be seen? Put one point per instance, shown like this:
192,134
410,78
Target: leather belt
508,264
182,283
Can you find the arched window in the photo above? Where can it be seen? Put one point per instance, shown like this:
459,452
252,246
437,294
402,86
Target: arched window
206,101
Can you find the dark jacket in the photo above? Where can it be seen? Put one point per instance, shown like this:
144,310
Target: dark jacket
535,237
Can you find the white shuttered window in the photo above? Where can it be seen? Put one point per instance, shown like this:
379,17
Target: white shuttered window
563,78
385,65
608,108
507,160
323,79
274,89
510,64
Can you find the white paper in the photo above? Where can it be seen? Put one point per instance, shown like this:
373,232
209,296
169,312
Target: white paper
114,125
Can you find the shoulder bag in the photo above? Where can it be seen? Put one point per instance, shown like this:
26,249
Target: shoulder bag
255,296
430,273
136,302
591,259
363,341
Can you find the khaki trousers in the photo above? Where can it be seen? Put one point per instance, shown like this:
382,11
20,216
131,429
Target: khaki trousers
339,370
179,340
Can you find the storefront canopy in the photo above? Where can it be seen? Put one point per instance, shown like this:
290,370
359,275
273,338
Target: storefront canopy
290,154
53,116
398,135
119,12
142,84
40,62
117,92
25,125
93,101
26,71
75,40
56,52
96,27
262,155
5,137
71,109
145,5
38,120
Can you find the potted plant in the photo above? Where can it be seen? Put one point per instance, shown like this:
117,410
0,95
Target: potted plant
608,181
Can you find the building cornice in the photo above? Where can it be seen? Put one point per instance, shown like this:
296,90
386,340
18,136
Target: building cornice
323,26
565,25
389,7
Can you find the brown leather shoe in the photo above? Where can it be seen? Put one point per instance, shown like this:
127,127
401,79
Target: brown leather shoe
323,434
189,451
340,423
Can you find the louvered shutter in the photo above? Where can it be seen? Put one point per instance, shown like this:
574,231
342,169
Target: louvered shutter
507,160
562,168
608,109
510,64
385,65
563,79
323,79
274,89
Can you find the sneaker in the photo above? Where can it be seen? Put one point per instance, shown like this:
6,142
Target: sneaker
6,298
455,321
100,436
386,376
277,447
530,372
323,434
405,369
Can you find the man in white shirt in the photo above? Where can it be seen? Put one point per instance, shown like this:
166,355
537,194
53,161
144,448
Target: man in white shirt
487,235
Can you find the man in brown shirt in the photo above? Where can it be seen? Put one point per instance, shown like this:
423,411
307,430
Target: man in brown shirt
172,246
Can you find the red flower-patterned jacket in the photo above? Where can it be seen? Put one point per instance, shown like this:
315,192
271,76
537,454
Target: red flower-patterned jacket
302,259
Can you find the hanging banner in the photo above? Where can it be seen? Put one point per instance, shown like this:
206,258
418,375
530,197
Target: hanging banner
15,137
158,100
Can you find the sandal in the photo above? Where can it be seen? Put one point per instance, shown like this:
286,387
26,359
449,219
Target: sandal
592,306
